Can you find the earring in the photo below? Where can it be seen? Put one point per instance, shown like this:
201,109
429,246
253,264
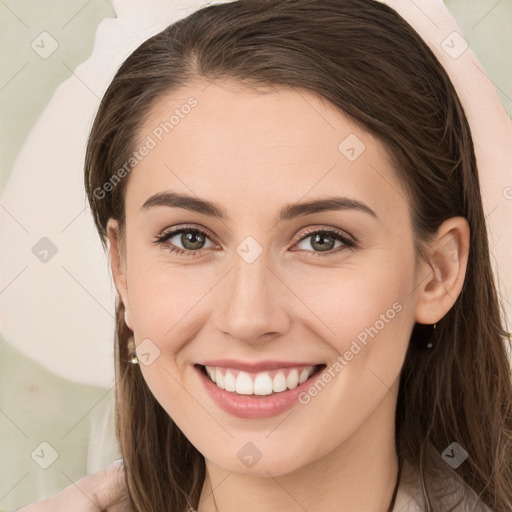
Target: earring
430,343
131,349
425,334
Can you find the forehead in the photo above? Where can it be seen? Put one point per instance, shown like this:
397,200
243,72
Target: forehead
279,144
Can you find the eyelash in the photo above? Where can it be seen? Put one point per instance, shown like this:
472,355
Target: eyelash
166,235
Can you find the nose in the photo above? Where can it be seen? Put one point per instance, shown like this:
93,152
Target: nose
254,303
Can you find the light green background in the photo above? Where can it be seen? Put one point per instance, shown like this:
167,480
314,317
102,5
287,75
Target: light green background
36,405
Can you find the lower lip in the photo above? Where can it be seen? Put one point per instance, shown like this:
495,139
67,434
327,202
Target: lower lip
254,406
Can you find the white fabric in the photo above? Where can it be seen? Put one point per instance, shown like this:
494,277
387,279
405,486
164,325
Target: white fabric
60,313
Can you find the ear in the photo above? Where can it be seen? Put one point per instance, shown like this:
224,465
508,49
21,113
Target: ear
443,277
118,266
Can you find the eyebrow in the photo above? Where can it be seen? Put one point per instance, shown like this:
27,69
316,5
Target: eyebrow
290,211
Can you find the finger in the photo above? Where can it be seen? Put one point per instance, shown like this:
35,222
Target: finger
101,491
107,487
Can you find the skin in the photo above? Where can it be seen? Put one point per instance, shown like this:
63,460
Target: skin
253,152
104,490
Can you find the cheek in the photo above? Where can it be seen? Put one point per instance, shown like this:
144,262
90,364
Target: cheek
364,303
163,296
365,317
169,307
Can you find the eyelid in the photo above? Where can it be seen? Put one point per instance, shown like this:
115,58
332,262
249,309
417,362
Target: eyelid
326,229
182,227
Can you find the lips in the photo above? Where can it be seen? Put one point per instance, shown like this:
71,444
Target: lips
253,406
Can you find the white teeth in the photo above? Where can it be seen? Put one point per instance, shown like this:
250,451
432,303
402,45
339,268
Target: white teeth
279,382
292,381
262,384
244,384
259,384
229,382
219,378
304,374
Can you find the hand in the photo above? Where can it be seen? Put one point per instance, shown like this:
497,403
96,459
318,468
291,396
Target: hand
103,491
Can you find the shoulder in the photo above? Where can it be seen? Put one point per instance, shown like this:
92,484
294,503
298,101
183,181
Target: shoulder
447,489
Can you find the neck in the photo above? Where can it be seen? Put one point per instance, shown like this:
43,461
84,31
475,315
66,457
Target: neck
358,475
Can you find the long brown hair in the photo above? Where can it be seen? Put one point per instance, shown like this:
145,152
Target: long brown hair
367,61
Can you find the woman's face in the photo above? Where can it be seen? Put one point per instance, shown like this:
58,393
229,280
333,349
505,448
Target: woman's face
255,286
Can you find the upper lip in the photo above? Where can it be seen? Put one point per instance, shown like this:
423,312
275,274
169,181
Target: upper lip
252,366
